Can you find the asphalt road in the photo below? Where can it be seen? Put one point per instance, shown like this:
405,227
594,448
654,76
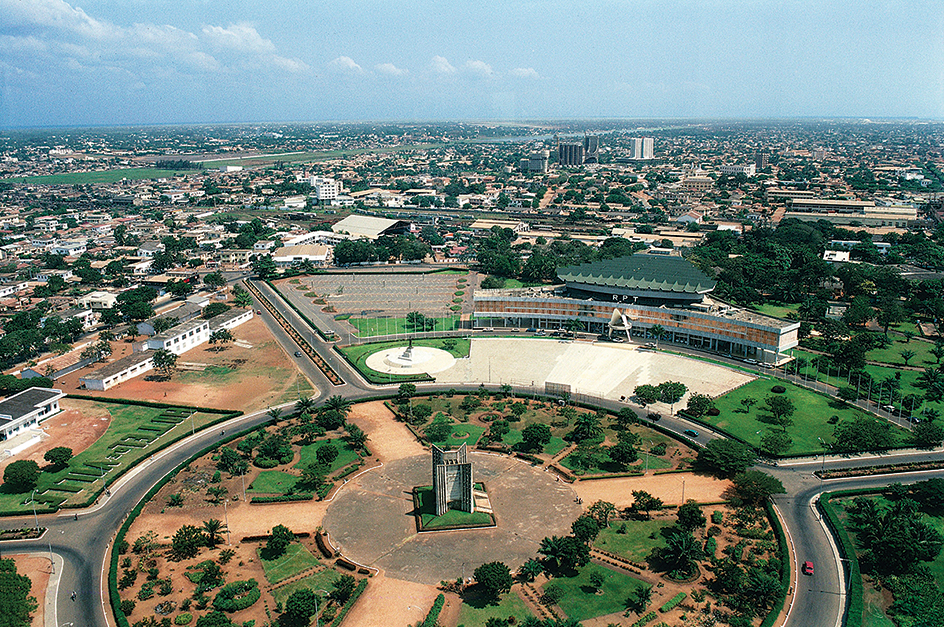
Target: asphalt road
83,541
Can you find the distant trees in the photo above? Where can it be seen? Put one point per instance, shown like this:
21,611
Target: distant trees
164,361
728,457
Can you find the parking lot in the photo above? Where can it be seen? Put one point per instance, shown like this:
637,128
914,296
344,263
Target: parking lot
380,295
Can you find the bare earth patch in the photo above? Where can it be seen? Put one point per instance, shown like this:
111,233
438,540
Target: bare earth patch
73,428
393,602
668,487
234,377
38,570
389,440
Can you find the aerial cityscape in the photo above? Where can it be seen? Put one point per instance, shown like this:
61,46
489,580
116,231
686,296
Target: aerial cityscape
625,314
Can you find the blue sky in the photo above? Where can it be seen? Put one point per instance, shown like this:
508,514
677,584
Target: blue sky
103,62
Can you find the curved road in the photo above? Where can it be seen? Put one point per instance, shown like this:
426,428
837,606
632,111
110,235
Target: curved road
83,540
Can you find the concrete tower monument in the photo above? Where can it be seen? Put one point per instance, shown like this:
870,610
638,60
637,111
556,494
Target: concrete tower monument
452,480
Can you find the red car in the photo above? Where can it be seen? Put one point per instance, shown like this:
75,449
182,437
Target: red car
808,568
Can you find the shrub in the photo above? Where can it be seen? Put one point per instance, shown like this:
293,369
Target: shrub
717,517
183,619
778,389
265,462
433,616
301,496
714,411
127,606
645,620
237,596
146,591
711,547
552,594
673,602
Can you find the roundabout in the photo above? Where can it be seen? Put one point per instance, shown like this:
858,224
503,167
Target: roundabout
410,360
371,520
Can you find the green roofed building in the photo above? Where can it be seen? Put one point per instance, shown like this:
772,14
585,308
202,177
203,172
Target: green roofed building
628,297
642,278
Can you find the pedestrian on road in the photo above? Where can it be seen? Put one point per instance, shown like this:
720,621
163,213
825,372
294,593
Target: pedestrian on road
73,595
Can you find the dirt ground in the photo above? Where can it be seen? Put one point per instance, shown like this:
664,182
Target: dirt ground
72,428
389,440
394,602
38,570
249,374
668,487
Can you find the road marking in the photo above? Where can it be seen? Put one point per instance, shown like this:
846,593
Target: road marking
796,562
835,551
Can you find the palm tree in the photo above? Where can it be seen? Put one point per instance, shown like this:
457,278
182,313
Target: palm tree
339,404
680,552
657,332
213,529
586,427
274,412
304,405
531,569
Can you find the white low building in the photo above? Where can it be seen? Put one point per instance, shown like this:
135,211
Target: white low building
288,256
27,409
119,371
181,338
98,301
230,319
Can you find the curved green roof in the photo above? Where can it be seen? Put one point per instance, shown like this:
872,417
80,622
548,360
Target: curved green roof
640,272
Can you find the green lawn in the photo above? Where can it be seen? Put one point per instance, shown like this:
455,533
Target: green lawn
427,508
892,353
637,543
777,311
316,582
878,373
582,602
372,327
358,355
125,420
273,482
511,284
475,612
346,455
462,434
295,559
105,176
809,420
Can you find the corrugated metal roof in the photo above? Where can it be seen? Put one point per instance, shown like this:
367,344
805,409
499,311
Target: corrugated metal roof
641,272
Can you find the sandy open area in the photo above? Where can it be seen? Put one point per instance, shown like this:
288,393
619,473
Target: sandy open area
602,370
72,428
249,374
392,602
38,570
389,440
668,487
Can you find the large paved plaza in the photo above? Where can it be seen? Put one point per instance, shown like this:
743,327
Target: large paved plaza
595,369
378,295
371,523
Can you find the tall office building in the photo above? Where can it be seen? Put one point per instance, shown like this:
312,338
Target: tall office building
760,160
642,148
591,149
570,154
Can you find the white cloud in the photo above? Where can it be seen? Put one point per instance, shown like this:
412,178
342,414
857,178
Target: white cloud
290,65
61,34
442,66
389,69
346,64
524,72
240,37
479,68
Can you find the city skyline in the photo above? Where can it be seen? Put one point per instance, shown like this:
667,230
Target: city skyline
116,63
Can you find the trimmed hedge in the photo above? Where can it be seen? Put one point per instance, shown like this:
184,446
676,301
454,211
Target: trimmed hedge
854,603
784,565
433,615
358,591
645,620
283,498
672,603
237,596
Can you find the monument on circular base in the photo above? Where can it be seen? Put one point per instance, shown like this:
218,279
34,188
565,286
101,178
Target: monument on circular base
410,360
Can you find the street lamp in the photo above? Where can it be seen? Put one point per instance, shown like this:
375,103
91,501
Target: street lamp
823,468
318,618
35,518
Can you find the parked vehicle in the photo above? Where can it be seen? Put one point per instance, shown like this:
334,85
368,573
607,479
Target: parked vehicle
691,433
808,568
